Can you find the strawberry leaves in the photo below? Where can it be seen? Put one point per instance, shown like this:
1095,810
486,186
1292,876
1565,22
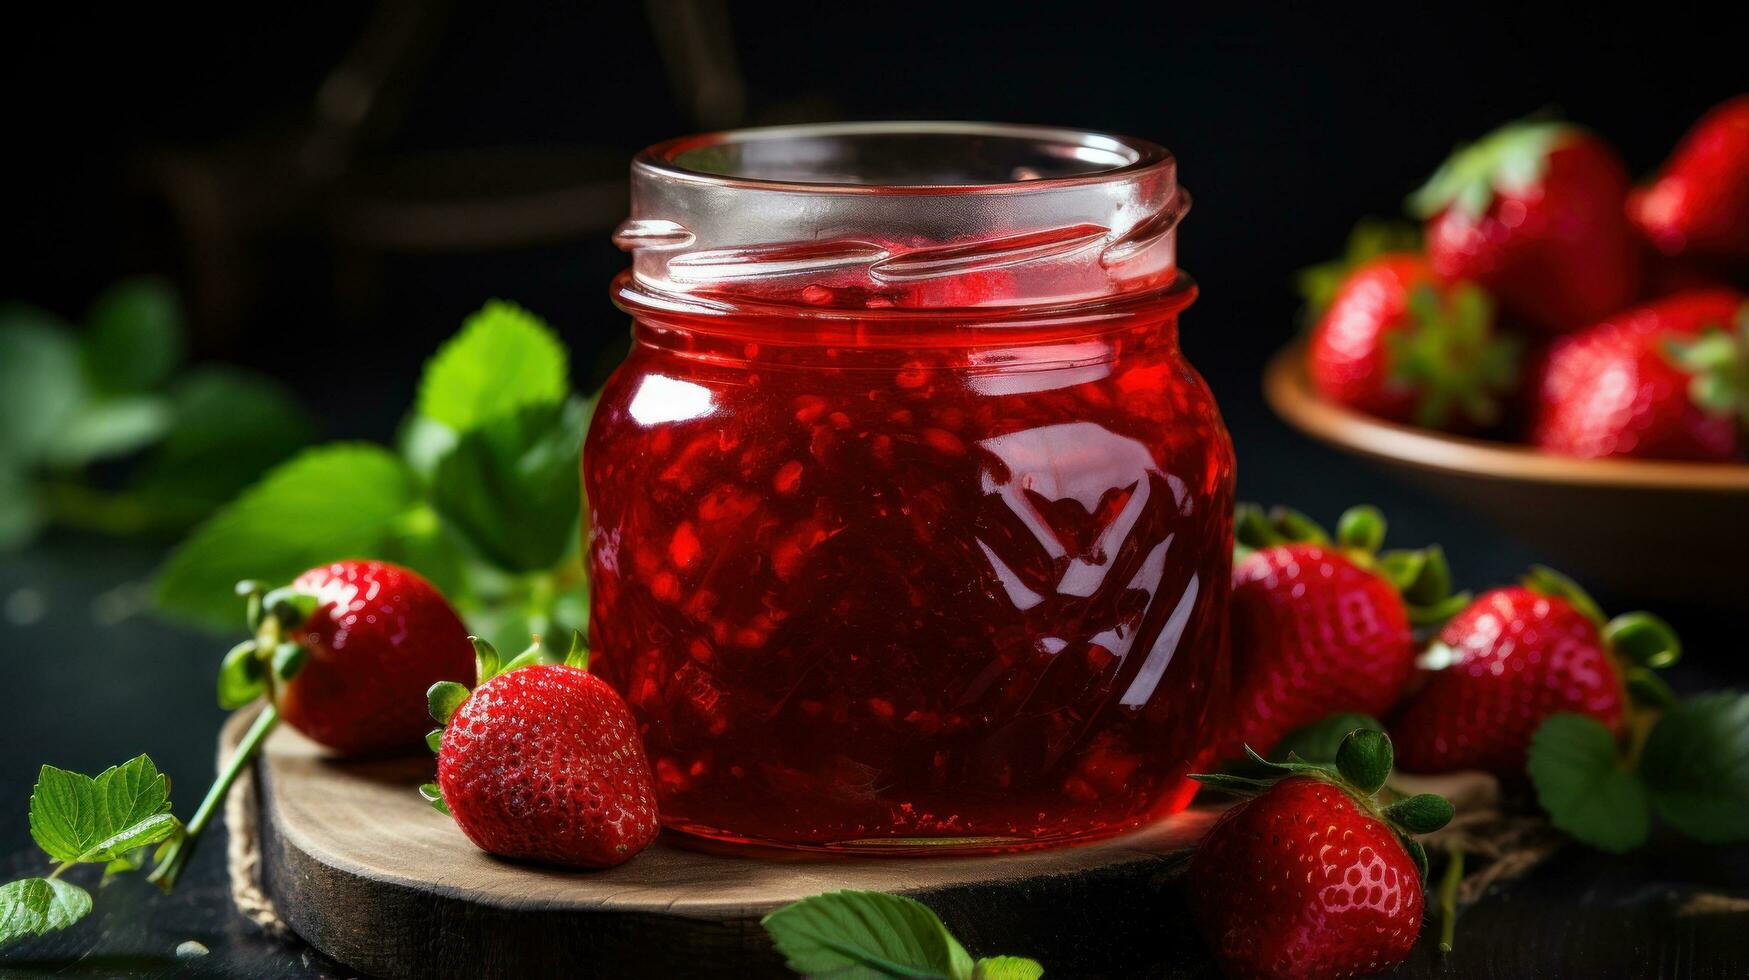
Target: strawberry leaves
34,906
1696,767
1422,576
871,934
1573,765
110,819
77,818
1690,767
1513,158
481,497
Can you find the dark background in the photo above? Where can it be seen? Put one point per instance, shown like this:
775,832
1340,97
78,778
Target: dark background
153,138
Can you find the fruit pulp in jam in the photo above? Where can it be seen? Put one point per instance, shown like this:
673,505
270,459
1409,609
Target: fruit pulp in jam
951,592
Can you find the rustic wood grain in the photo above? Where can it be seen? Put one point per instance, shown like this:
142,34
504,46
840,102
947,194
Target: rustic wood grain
368,873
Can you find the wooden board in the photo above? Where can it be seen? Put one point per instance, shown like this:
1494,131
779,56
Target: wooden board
365,871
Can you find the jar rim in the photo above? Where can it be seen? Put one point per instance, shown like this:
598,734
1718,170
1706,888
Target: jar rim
1105,157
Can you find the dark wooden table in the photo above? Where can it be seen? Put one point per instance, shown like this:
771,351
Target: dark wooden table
91,679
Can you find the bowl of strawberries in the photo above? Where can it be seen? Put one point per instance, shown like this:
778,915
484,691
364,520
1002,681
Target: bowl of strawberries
1556,348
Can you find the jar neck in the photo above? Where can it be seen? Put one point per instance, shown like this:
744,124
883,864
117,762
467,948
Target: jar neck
912,216
736,332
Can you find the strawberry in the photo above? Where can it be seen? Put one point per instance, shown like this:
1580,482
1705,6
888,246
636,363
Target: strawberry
1319,627
338,654
1312,877
1398,343
542,762
379,634
1699,204
1668,380
1516,656
1533,214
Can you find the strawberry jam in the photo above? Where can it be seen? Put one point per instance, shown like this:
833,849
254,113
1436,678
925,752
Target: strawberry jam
890,561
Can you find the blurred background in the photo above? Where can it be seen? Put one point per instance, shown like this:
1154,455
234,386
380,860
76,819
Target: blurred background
332,188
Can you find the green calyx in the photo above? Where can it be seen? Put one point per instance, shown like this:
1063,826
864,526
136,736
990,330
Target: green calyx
445,697
1369,239
1452,358
258,666
1363,766
1511,159
1640,641
1717,363
1422,576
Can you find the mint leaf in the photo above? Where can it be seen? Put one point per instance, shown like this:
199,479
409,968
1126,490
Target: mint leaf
41,384
1696,763
866,934
1319,741
512,486
1007,968
332,502
74,817
133,337
109,427
503,359
37,905
1572,764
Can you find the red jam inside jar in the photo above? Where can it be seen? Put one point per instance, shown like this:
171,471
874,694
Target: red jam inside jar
909,526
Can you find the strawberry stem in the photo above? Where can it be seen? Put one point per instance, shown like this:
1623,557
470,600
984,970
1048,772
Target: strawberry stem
1448,889
176,857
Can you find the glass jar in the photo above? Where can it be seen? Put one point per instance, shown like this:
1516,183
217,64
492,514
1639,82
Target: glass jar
909,526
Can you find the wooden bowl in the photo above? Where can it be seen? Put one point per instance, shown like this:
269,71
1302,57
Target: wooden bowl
1641,528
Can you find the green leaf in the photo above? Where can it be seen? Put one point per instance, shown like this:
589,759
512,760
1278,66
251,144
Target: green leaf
578,655
443,699
485,661
1007,968
431,794
504,359
1511,159
21,513
865,934
108,428
434,740
1572,764
1364,759
37,905
1319,741
242,676
1696,764
333,502
228,426
289,659
1422,813
74,817
133,336
41,384
512,485
1644,639
1361,528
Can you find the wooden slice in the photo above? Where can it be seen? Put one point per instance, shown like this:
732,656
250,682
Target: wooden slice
365,871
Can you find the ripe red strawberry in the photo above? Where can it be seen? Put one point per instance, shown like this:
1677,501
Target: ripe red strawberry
543,762
1398,343
1533,214
1319,627
1699,205
1516,656
1311,877
339,653
377,637
1667,380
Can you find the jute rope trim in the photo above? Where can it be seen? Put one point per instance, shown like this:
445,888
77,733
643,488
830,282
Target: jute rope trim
243,854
